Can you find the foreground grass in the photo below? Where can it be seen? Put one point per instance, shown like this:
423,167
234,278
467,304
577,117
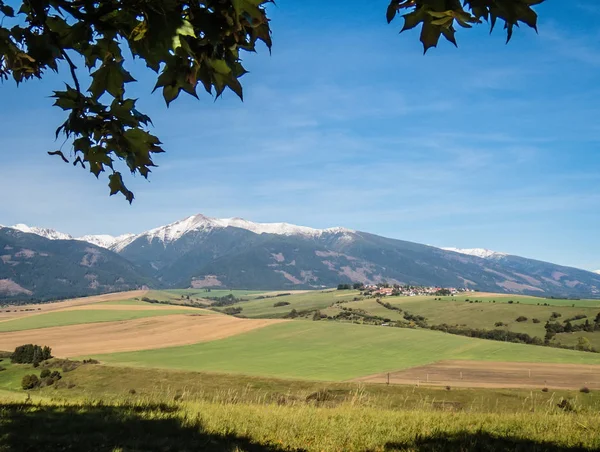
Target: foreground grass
336,351
118,384
75,317
81,426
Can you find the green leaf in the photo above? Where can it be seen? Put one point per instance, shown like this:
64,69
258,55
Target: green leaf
7,10
430,35
116,185
391,12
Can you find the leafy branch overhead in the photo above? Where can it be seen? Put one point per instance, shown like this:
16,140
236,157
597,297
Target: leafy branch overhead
185,42
438,17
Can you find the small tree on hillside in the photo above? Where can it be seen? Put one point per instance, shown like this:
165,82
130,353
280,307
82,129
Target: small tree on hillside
30,382
583,344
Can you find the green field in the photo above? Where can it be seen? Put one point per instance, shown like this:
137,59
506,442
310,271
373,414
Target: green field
336,351
75,317
478,315
524,299
265,308
203,293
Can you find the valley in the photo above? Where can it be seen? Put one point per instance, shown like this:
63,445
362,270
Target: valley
175,354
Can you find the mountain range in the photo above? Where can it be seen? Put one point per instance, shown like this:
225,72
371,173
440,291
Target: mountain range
198,251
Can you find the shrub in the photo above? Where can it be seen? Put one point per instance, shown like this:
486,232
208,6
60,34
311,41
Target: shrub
232,311
565,405
68,366
91,361
70,385
132,391
499,324
510,302
280,303
30,382
535,320
448,388
522,318
585,390
2,368
45,373
545,390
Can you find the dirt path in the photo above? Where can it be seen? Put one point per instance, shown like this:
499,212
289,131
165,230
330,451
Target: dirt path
485,374
130,335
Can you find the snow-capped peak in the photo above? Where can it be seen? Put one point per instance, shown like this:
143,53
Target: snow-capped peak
106,241
478,252
174,231
44,232
596,271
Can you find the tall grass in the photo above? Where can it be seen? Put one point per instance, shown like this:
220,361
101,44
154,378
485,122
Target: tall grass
232,426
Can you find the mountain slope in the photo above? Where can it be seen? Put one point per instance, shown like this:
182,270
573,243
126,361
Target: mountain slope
38,268
199,251
202,252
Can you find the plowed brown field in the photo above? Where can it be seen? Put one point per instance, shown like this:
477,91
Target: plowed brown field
483,374
130,335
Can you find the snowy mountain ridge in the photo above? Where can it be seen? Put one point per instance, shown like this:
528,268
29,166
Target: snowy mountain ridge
174,231
178,229
478,252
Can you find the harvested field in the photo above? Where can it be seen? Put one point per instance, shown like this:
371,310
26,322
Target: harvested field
130,335
40,308
140,307
480,374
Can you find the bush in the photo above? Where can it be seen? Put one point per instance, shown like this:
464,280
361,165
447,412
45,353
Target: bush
565,405
91,361
499,324
232,311
132,391
585,390
30,382
45,373
280,303
545,390
522,318
535,320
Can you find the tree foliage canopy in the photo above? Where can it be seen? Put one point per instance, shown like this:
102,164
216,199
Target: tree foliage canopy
186,43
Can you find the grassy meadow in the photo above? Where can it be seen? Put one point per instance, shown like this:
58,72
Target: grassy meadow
326,350
95,407
265,307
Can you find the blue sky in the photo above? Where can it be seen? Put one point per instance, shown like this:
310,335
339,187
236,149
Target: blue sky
348,124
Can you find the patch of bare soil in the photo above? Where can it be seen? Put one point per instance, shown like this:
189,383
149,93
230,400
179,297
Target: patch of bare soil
130,335
484,374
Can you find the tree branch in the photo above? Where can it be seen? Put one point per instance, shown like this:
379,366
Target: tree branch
72,67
